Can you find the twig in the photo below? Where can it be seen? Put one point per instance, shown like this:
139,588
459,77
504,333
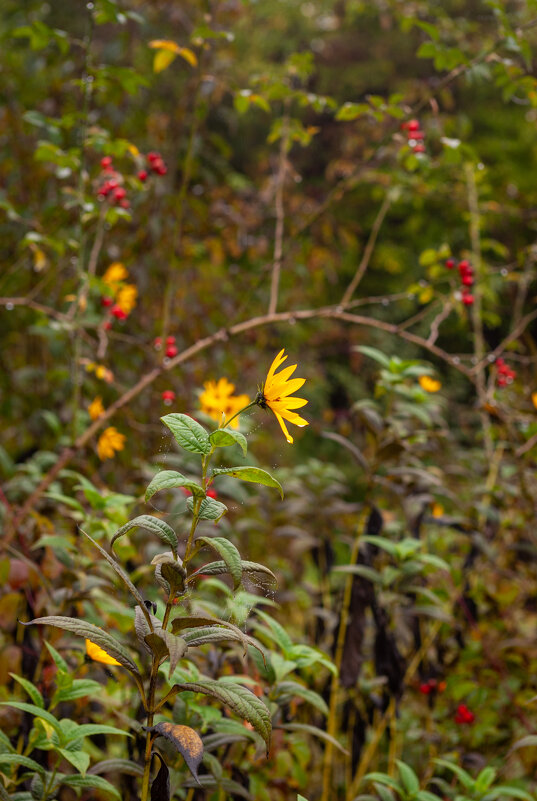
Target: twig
437,322
280,216
364,263
40,307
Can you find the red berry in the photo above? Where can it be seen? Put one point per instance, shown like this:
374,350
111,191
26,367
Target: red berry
168,396
450,264
418,135
171,351
118,313
468,300
464,265
419,149
413,125
120,193
107,326
424,688
113,183
467,279
211,493
104,189
142,175
153,156
106,162
502,382
170,340
124,204
463,715
159,167
106,302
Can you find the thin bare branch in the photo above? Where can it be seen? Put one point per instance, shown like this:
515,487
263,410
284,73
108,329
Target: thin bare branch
368,251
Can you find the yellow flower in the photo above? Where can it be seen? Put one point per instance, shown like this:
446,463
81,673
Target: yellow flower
96,408
429,384
98,655
114,274
109,442
276,391
534,399
438,509
126,298
217,399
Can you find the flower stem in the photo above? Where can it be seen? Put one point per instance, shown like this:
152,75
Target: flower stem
248,406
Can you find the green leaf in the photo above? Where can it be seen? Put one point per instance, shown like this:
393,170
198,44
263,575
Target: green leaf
117,765
37,712
59,661
254,474
238,698
223,437
216,568
485,779
21,761
425,795
408,777
382,778
153,524
89,729
123,576
209,509
316,732
170,479
31,689
292,689
211,629
279,634
79,689
79,759
229,554
96,782
93,633
188,433
525,742
375,354
506,790
464,777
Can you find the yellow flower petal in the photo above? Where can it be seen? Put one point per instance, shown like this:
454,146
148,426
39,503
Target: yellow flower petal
534,399
276,394
217,400
96,408
109,442
429,384
98,655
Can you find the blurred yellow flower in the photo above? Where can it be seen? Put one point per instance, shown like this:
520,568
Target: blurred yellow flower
217,399
429,384
438,509
98,655
534,399
276,391
126,298
109,442
100,370
114,274
96,408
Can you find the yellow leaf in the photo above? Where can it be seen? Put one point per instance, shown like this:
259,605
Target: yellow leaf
165,44
163,59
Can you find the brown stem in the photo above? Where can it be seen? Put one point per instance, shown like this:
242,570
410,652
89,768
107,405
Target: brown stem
280,216
370,246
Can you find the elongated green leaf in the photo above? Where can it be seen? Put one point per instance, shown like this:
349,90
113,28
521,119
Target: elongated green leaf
188,433
93,633
79,759
78,689
279,634
291,689
238,698
91,781
408,777
209,509
360,570
316,732
117,766
217,568
153,524
382,778
223,437
212,629
21,761
375,354
31,689
525,742
508,791
59,661
254,474
89,729
170,479
463,776
229,554
37,712
123,576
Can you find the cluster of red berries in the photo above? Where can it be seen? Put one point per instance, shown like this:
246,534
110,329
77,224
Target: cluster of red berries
432,686
155,163
505,375
463,715
171,348
415,135
114,311
111,188
466,273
